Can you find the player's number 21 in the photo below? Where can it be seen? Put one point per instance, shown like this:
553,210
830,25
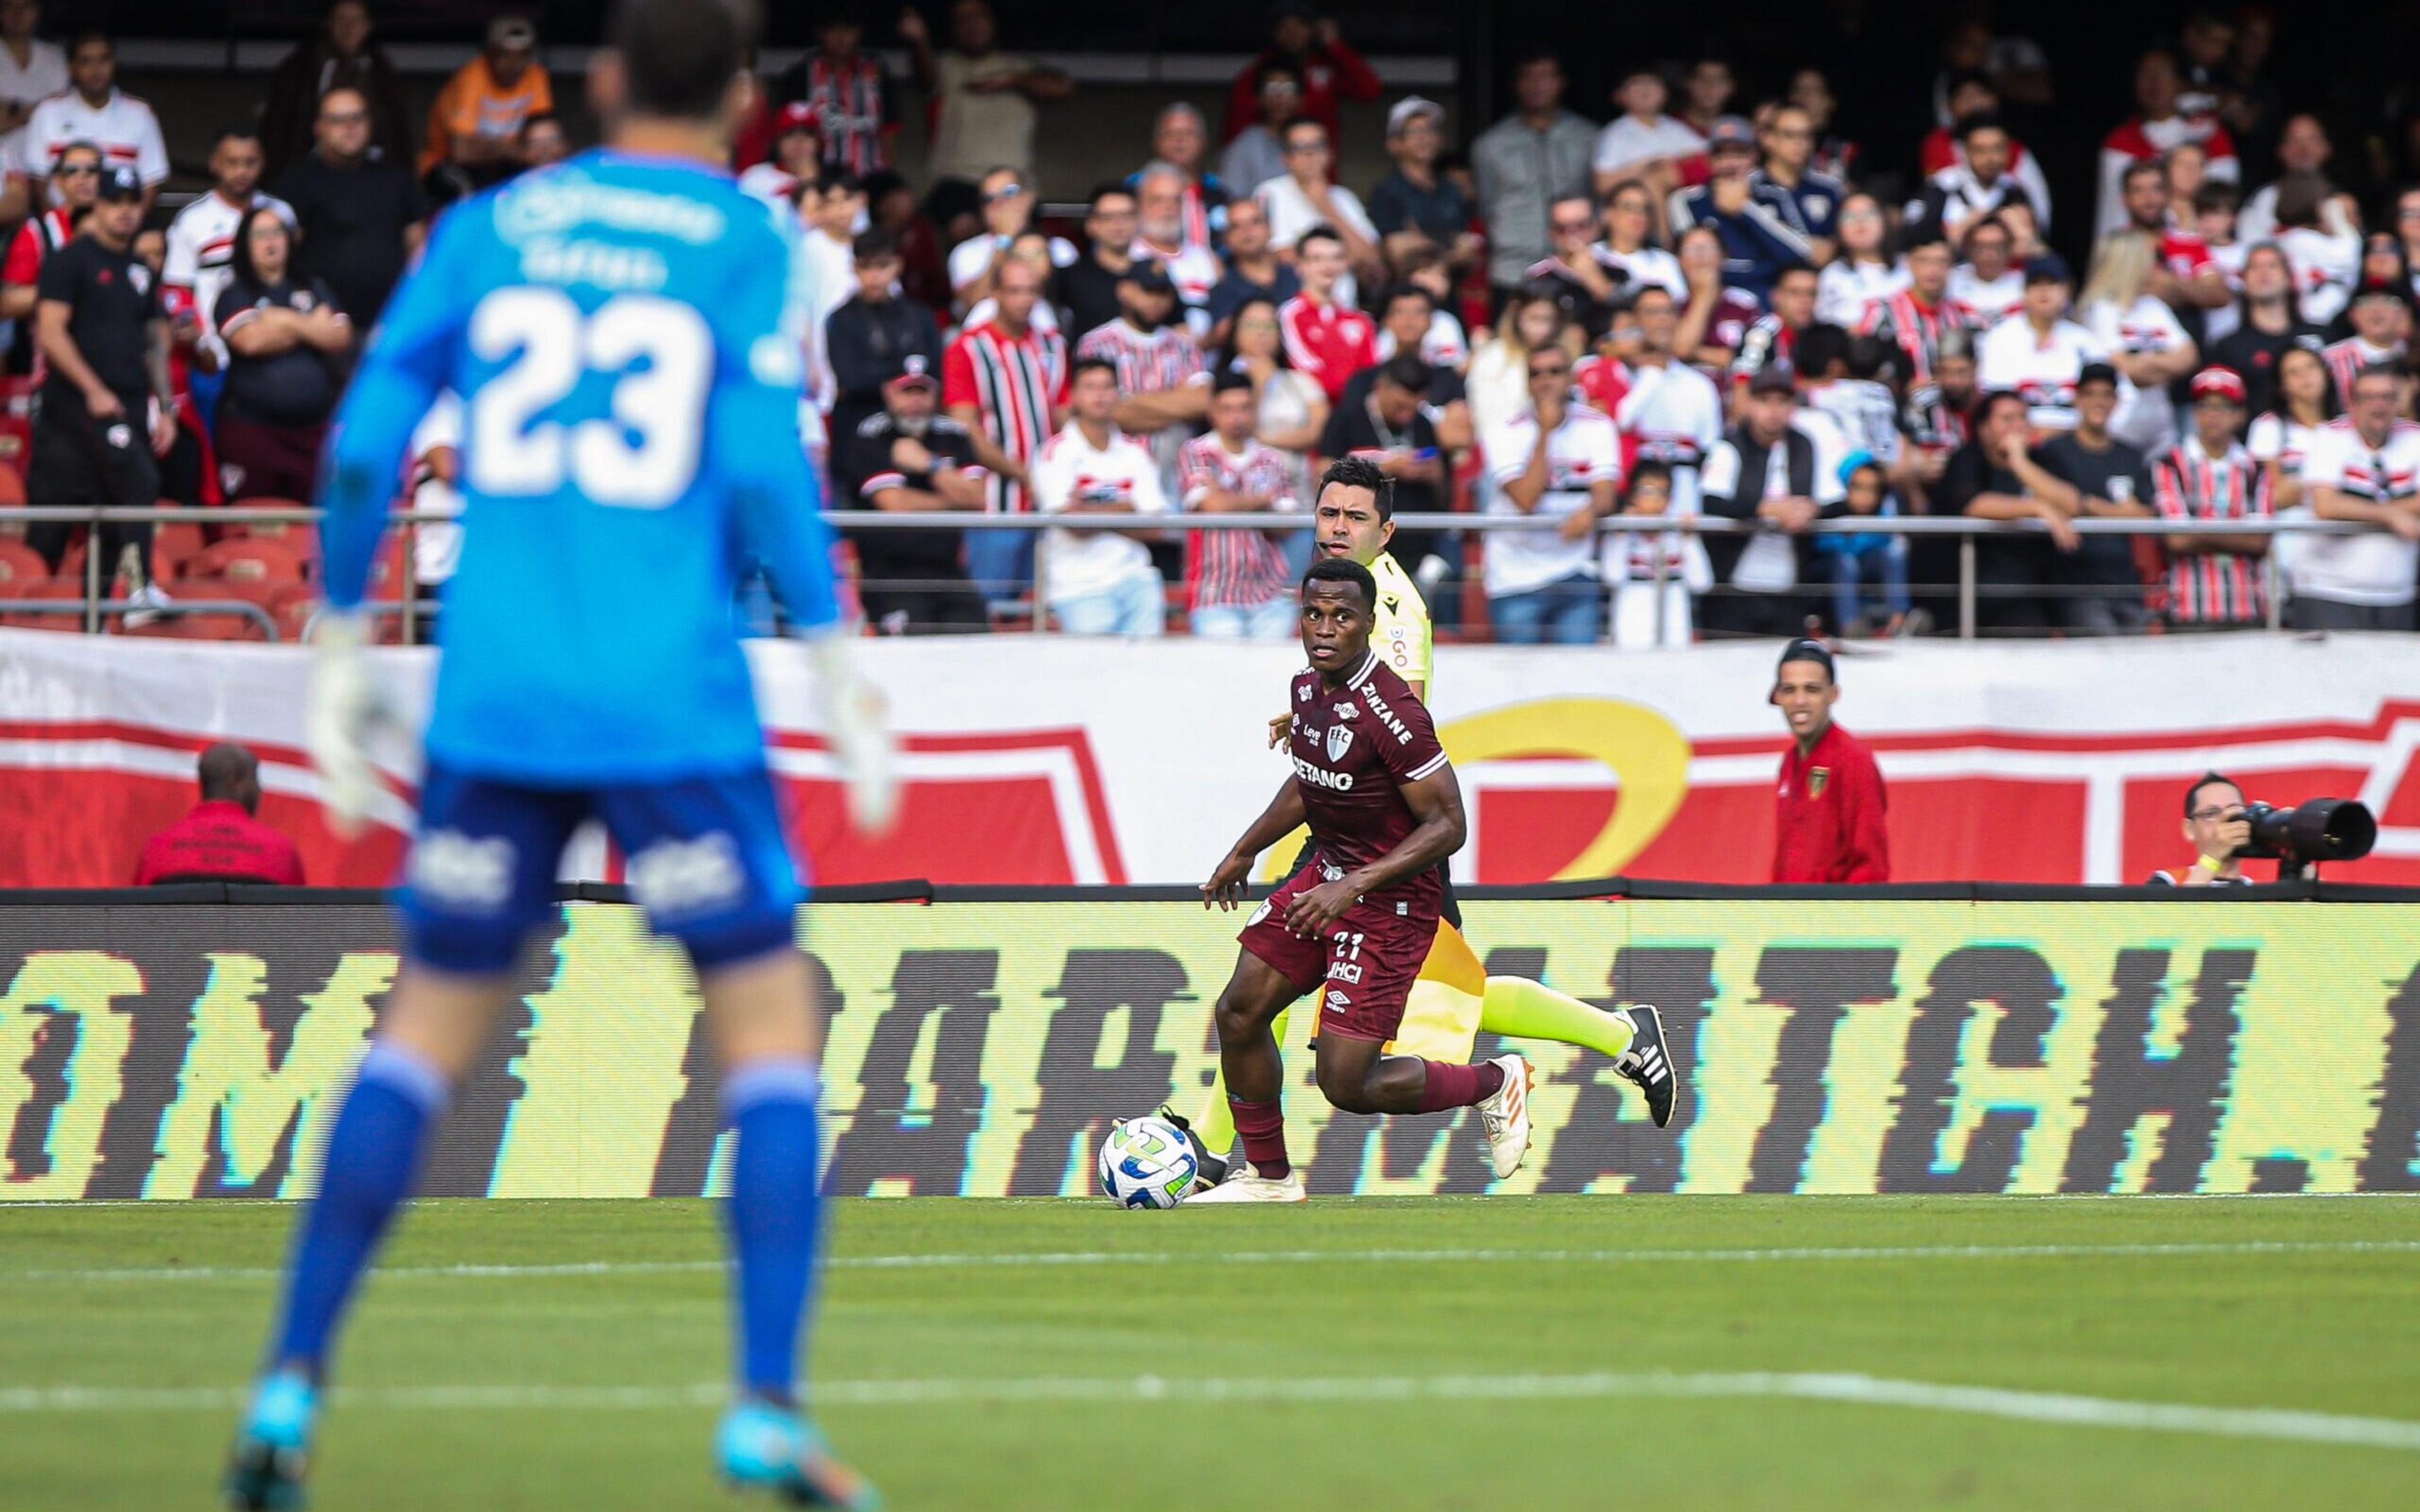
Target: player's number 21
547,346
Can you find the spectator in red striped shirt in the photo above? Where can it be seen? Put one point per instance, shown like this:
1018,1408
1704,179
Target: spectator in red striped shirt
1163,377
1323,338
849,89
1006,382
1240,583
221,839
2214,580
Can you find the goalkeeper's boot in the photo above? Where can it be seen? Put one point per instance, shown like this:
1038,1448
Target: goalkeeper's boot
272,1448
1247,1185
1647,1064
1212,1168
764,1446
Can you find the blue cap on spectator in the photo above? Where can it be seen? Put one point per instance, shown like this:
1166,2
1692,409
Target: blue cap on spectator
121,182
1858,458
1732,132
2048,267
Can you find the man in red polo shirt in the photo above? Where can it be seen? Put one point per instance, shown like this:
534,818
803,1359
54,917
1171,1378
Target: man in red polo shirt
1831,810
221,840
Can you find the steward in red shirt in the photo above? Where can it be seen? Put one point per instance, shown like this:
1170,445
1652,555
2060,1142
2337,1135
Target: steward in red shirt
1830,813
221,840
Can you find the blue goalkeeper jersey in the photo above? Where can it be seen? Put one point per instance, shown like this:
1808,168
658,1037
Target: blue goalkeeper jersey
624,336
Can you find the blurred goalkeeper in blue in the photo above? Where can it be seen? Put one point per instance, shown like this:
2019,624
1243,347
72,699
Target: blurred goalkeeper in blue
624,331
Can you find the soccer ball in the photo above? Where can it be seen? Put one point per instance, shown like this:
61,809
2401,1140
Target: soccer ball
1147,1162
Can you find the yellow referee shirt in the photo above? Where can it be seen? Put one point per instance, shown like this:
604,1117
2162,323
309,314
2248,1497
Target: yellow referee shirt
1402,630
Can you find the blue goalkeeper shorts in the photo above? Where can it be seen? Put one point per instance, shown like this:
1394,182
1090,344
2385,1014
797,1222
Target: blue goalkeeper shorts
706,857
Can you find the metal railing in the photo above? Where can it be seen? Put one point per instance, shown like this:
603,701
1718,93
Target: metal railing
1967,532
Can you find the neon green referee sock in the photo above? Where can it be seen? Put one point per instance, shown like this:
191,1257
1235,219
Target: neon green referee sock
1216,1123
1520,1008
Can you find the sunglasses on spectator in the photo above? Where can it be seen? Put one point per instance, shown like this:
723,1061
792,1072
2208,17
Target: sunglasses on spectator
75,170
1305,147
1004,191
345,117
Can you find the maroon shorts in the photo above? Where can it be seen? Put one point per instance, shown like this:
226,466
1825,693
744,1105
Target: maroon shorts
1365,967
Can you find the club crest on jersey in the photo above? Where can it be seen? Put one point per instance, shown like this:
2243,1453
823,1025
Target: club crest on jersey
1339,740
1817,776
139,275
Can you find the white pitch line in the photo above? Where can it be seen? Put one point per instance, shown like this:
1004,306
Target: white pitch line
2061,1408
1087,1258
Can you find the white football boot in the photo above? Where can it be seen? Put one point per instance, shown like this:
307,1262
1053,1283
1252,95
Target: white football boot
1245,1185
1506,1116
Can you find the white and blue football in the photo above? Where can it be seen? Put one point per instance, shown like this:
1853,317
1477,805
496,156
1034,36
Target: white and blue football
1147,1162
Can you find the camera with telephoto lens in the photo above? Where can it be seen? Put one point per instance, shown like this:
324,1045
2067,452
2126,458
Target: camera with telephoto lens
2317,829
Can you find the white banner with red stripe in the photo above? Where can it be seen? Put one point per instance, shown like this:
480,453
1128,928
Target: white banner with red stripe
1042,759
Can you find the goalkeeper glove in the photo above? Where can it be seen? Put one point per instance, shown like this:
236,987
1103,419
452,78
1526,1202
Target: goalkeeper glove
854,718
345,706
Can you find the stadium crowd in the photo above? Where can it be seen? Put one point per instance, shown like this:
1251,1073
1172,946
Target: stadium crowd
1709,304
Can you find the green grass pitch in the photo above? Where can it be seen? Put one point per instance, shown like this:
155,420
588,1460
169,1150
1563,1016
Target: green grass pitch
1506,1353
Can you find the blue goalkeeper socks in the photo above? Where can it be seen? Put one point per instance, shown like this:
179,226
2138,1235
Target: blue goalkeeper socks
774,1212
373,1154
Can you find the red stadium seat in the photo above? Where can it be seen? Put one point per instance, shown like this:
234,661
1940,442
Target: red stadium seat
291,605
20,566
299,534
67,591
247,559
173,544
211,626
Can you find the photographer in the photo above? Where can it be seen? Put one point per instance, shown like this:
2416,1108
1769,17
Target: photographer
2218,829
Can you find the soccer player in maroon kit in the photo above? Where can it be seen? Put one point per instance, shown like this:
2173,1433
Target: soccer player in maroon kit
1384,808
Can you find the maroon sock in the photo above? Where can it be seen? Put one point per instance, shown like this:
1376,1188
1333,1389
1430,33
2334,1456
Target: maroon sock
1449,1086
1262,1126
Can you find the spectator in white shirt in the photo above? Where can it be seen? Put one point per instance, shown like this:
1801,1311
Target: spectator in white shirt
2321,241
1159,236
1979,184
1007,205
1307,194
93,109
1643,143
2145,342
1098,582
1864,271
2363,466
2159,125
1655,574
31,70
2303,148
1554,460
1630,211
2038,353
1989,285
201,250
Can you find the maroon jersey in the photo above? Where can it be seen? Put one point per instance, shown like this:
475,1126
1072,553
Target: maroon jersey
1352,746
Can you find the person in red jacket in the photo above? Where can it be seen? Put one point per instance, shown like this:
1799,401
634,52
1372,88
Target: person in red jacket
221,840
1307,42
1831,812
